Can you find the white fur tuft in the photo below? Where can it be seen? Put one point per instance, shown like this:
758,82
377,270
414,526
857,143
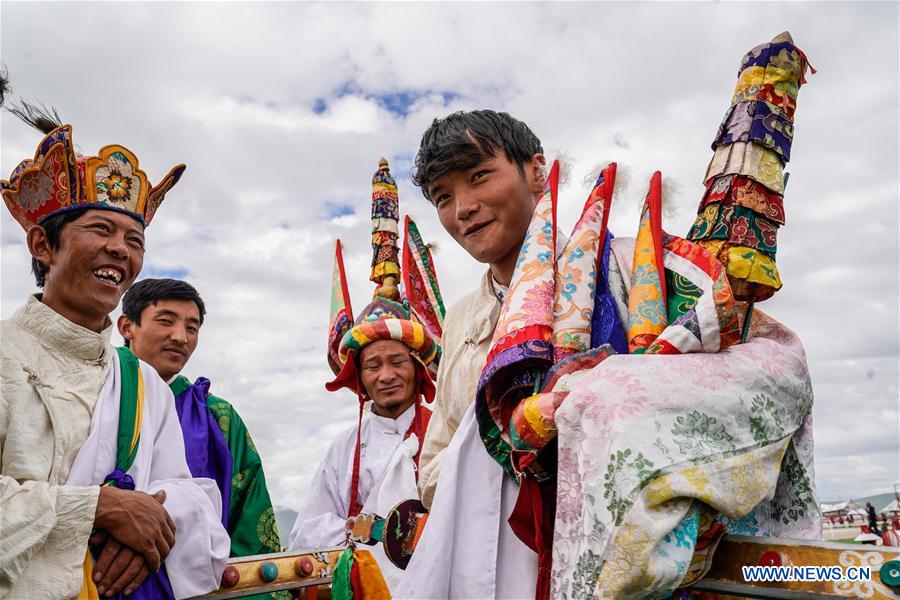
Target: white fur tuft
671,190
623,179
671,193
590,178
565,167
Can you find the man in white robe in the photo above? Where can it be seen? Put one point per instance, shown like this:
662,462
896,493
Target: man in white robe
486,206
482,171
59,410
389,368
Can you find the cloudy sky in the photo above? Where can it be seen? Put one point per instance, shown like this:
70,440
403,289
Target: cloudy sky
281,112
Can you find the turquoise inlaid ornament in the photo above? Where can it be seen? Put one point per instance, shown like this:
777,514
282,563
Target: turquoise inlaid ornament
890,574
268,571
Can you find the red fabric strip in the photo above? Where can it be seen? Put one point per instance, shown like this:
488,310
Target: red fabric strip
655,201
532,522
355,506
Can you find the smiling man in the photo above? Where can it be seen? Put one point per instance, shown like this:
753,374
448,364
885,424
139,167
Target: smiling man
91,450
371,466
483,171
161,323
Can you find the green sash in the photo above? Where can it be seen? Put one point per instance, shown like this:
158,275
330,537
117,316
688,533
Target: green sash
131,409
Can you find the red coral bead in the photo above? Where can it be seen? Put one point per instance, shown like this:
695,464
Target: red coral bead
231,576
304,566
770,559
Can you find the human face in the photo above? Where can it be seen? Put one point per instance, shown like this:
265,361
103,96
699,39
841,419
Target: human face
487,208
99,256
388,373
167,335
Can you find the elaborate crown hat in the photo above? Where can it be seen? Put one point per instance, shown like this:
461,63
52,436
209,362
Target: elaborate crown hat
413,318
57,180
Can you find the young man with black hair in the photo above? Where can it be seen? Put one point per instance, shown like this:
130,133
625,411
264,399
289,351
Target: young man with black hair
95,492
661,507
161,323
484,172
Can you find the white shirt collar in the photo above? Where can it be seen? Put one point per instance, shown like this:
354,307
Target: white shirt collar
398,425
61,333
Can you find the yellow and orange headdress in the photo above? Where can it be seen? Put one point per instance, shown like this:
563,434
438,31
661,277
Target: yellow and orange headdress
57,180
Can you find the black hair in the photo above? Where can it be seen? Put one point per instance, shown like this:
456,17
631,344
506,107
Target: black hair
149,292
53,225
464,139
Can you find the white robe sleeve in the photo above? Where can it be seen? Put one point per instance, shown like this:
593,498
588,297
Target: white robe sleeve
199,556
320,522
34,514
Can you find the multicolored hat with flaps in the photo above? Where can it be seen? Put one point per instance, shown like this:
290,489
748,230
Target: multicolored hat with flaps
58,180
412,316
742,208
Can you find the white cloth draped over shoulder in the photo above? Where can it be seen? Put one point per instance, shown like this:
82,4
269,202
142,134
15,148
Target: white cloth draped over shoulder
467,549
199,556
387,476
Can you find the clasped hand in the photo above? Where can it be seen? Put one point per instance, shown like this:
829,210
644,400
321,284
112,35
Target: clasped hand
137,534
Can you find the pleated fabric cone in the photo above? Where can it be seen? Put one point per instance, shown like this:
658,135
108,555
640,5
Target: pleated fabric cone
577,268
679,298
522,346
742,207
647,315
341,319
420,281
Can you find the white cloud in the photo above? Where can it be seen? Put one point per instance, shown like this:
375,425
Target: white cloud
282,110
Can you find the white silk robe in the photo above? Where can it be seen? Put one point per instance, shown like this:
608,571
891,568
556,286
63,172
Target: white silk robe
387,476
52,416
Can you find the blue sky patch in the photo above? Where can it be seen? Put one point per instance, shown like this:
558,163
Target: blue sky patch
319,106
397,103
338,209
154,271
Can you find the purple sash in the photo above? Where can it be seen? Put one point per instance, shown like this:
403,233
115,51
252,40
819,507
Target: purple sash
205,448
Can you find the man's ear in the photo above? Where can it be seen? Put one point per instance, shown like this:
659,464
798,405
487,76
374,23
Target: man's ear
538,172
125,326
39,245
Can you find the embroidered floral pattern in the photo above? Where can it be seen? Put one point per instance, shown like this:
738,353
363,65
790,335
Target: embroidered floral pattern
266,529
697,431
621,465
115,186
642,495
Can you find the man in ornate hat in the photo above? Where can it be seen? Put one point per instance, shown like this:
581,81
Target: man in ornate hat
95,492
160,322
371,467
386,358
